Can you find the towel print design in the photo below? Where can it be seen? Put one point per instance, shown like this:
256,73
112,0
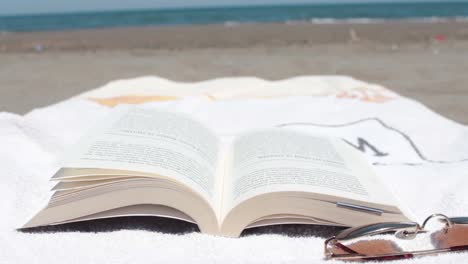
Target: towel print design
363,94
367,95
382,143
132,99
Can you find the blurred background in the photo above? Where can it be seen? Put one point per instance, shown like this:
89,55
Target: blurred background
51,50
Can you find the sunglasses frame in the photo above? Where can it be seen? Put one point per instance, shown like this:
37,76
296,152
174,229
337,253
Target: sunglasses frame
402,230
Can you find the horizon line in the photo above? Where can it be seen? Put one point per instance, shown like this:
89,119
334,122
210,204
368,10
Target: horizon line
207,7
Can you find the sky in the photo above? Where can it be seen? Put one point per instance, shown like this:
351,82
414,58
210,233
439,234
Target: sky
9,7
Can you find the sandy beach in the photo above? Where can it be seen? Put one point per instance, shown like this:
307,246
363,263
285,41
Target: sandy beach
424,61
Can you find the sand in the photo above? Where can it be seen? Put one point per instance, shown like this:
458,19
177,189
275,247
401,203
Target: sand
424,61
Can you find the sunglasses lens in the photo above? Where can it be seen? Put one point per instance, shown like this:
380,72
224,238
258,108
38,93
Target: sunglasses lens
456,236
372,247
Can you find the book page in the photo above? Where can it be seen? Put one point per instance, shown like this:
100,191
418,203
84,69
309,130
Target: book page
168,144
279,160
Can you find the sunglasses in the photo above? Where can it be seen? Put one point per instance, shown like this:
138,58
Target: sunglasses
362,244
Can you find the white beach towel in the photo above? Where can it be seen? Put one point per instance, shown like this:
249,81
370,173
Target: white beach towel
420,155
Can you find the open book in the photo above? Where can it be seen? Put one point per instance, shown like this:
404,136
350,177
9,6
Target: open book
150,162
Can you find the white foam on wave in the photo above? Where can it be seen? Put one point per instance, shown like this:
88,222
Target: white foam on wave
461,19
376,20
356,20
348,20
231,23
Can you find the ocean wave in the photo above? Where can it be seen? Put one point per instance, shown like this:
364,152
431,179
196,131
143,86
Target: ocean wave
324,21
379,20
348,20
231,23
233,17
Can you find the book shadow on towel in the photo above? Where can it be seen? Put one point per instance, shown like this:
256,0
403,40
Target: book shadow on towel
177,227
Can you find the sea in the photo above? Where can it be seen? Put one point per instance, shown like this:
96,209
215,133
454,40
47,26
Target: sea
236,15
